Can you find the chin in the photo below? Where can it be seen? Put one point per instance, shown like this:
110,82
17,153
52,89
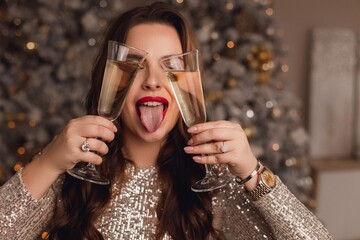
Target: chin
154,137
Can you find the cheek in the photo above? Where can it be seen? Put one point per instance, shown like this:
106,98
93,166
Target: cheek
131,94
175,115
129,106
136,85
125,115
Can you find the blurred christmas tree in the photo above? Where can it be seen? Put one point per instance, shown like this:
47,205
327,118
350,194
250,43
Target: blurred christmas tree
47,48
245,66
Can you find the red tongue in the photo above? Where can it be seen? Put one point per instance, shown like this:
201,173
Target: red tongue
151,117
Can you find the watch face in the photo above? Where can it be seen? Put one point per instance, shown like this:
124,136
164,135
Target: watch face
268,178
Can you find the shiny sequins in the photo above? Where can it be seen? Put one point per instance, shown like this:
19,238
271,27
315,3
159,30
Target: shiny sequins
22,216
131,214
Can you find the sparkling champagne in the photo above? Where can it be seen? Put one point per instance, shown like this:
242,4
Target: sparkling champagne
118,77
189,95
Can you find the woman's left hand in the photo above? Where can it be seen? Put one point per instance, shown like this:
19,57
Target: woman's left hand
222,142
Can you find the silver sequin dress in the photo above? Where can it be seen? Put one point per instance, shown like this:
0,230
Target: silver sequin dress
131,213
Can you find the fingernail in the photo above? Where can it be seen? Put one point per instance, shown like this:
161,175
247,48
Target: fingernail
191,141
188,149
192,129
197,158
115,128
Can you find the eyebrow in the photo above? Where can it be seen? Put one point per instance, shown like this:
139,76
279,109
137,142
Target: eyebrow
169,55
134,56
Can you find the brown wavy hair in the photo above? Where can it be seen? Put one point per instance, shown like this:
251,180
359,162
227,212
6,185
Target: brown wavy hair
182,213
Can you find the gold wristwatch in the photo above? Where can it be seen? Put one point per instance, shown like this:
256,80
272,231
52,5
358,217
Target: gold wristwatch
266,183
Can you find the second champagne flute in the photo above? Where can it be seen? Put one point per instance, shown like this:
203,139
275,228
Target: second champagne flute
122,65
184,75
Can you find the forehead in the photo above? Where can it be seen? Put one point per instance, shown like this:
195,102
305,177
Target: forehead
155,38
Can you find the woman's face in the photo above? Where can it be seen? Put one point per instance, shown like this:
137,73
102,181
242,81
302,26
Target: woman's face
150,110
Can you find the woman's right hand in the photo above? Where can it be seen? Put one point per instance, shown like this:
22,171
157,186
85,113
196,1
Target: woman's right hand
65,150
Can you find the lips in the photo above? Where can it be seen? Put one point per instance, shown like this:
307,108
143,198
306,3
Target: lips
152,101
151,111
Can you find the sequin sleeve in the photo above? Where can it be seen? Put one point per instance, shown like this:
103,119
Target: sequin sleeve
277,215
21,215
288,218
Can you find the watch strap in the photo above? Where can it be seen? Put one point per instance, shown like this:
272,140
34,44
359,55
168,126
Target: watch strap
262,188
259,191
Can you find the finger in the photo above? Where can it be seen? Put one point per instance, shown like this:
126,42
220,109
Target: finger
96,131
90,157
89,130
210,125
212,159
97,146
211,148
101,121
97,120
216,135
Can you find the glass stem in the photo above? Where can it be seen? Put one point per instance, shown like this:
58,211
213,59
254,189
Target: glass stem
90,166
208,170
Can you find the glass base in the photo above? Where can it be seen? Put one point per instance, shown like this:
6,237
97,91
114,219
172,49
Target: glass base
88,173
210,183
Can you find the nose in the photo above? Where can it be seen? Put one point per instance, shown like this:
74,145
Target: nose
154,79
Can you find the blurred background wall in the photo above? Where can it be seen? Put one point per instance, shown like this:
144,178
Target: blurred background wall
335,176
297,19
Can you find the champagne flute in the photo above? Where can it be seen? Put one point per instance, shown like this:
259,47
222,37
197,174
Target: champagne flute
122,65
183,73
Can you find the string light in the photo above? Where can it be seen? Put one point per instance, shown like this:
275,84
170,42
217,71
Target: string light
230,44
229,6
17,166
30,45
269,104
179,1
92,41
276,112
11,124
265,67
21,150
250,113
214,35
290,162
269,11
284,68
44,235
103,3
276,147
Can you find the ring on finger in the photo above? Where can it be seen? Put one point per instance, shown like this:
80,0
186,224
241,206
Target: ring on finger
223,147
85,147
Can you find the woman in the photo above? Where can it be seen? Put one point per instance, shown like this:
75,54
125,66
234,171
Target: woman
151,166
